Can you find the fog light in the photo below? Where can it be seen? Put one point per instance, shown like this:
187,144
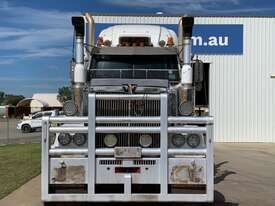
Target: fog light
64,139
193,140
145,140
110,140
79,139
178,140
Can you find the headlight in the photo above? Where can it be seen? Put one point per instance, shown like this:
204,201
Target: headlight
79,139
110,140
178,140
145,140
193,140
64,139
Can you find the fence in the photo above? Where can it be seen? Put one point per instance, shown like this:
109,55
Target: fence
9,134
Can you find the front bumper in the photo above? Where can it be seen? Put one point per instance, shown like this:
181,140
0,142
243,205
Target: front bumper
92,167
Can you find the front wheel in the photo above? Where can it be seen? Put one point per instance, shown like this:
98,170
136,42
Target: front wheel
26,128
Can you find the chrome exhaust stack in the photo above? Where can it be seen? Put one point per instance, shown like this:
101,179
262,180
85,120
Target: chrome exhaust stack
79,73
185,87
90,31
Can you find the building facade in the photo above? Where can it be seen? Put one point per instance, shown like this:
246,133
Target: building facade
242,97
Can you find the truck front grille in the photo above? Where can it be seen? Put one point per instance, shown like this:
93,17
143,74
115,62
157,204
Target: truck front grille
127,140
124,108
128,107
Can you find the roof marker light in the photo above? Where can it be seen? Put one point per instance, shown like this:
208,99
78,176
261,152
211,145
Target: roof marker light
170,41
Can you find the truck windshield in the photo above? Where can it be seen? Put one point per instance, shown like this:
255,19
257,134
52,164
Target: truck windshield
135,67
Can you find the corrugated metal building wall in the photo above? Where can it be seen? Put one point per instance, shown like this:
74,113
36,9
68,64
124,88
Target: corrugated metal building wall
242,94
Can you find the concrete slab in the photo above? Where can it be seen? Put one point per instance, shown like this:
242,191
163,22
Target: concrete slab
244,175
27,195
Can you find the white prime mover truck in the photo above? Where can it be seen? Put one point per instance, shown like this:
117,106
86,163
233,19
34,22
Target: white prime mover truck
132,132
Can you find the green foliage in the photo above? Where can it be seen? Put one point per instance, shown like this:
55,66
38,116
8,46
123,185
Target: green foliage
9,99
12,99
2,96
19,164
64,94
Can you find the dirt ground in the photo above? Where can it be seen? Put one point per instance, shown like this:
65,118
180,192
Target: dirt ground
244,176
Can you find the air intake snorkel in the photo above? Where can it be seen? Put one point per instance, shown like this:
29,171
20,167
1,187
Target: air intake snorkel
185,87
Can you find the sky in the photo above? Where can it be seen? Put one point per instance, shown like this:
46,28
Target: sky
36,36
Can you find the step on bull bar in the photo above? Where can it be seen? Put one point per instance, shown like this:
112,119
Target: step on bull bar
167,124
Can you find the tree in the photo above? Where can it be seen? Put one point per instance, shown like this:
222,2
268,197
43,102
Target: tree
2,97
64,94
12,99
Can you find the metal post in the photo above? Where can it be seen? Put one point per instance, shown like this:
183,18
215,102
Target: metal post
210,162
127,184
91,144
163,145
45,158
8,131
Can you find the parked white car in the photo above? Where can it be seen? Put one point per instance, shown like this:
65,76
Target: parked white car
34,121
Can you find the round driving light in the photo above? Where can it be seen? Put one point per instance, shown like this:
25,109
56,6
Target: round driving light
69,108
64,139
107,43
110,140
162,43
186,108
193,140
145,140
178,140
79,139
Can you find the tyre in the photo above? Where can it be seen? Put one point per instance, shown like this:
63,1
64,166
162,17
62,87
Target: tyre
26,128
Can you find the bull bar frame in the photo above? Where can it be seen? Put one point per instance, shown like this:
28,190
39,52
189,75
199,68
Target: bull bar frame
205,127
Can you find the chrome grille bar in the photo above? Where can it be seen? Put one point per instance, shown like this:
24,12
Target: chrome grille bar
145,152
144,119
177,129
127,96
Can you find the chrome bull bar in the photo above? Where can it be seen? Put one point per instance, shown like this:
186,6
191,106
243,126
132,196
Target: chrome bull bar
110,152
129,129
203,125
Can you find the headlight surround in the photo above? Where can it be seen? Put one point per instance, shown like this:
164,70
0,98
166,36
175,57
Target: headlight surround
110,140
79,139
64,139
178,140
145,140
193,140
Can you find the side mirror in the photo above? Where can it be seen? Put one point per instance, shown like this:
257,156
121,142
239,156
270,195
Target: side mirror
198,68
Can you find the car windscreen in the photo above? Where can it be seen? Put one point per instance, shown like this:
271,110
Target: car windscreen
135,67
37,116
